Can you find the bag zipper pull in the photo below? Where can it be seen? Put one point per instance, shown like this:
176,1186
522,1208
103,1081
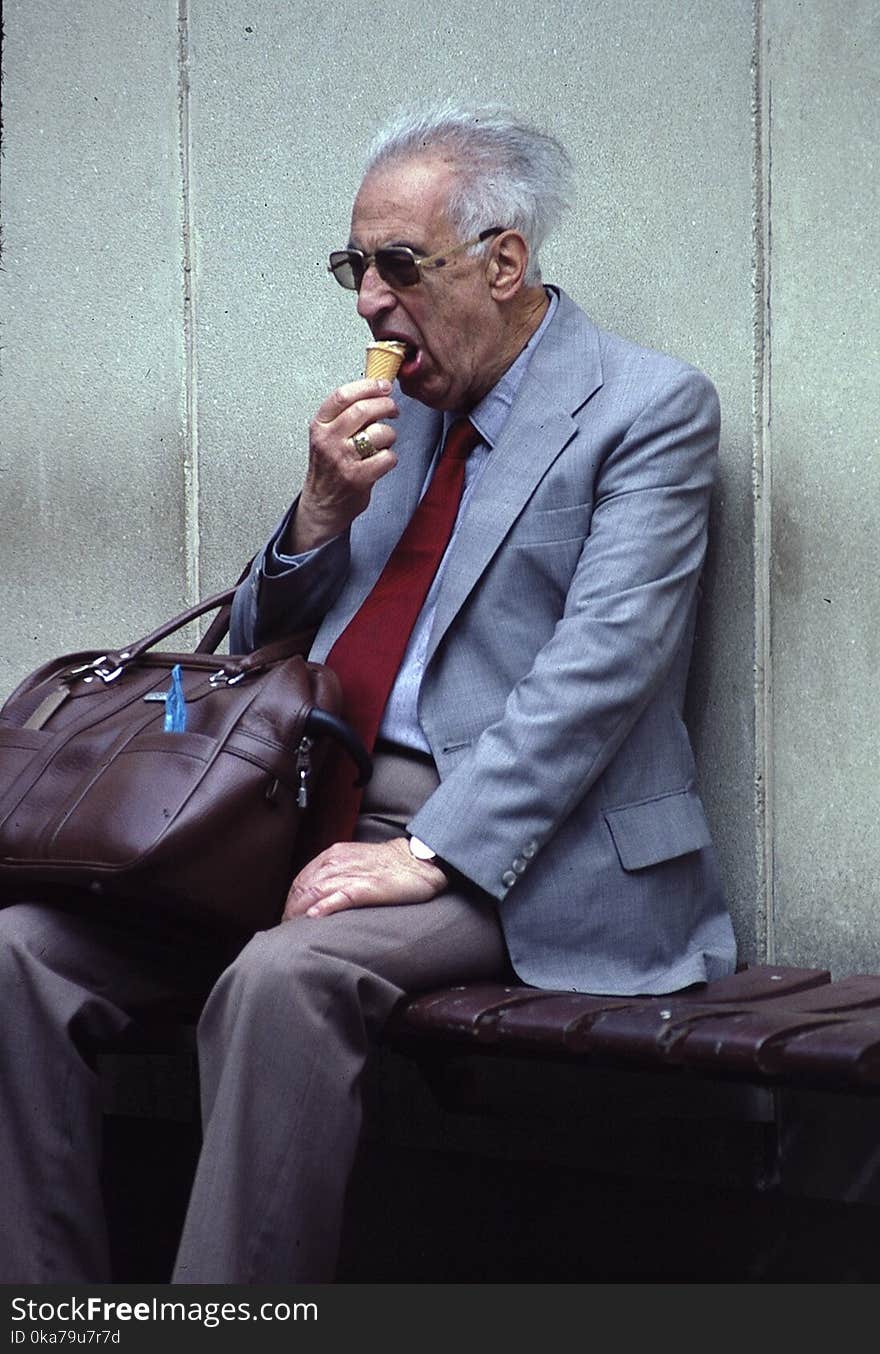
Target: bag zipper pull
304,771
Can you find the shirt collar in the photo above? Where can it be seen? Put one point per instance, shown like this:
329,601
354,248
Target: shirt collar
490,414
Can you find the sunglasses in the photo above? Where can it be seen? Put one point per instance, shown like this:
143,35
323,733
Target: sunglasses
396,264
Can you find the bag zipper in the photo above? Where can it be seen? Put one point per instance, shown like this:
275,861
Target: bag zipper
303,770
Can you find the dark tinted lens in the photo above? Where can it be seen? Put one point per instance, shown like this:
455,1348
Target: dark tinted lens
397,266
347,266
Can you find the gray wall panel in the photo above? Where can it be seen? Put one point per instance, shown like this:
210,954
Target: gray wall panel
90,464
824,442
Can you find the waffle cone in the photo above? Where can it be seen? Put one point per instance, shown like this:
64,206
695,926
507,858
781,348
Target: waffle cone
384,359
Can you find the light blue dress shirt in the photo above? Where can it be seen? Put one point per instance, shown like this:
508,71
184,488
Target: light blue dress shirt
400,721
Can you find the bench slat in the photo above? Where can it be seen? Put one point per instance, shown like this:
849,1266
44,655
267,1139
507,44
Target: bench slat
845,1054
467,1011
761,982
857,992
552,1025
798,1048
753,1043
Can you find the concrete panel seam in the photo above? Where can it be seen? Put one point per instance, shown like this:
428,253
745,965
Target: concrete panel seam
761,469
192,544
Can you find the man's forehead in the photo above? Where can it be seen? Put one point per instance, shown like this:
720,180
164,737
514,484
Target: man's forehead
402,203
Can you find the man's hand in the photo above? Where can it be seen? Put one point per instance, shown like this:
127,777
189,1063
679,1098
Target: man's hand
363,874
338,482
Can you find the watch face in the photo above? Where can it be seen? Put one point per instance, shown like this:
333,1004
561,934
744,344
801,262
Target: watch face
420,850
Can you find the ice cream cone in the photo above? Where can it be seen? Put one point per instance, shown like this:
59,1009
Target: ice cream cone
384,358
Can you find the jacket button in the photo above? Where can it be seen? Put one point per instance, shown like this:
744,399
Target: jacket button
520,865
530,851
508,878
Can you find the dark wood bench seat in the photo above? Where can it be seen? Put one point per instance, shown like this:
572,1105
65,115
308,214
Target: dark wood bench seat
767,1024
744,1109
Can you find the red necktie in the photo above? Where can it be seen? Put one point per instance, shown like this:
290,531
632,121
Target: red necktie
368,653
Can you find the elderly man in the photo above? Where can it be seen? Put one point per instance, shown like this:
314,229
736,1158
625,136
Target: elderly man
500,555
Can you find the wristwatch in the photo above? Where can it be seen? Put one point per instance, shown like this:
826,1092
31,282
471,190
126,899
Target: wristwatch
421,850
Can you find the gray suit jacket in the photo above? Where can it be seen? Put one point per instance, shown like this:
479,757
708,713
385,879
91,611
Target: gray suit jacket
553,692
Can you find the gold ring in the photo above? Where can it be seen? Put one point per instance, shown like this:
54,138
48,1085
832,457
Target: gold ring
363,445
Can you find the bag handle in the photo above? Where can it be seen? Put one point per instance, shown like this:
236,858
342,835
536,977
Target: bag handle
111,663
218,628
212,636
320,723
119,658
220,624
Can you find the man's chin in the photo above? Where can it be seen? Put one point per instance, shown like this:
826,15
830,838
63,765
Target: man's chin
414,385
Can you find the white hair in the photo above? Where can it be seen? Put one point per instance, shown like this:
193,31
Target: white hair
506,173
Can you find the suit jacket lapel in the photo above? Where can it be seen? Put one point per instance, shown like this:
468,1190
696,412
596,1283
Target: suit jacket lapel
564,372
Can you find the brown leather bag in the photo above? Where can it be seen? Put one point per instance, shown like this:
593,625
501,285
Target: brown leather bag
97,800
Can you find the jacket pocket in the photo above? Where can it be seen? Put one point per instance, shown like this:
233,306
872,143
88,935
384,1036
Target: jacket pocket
658,829
547,526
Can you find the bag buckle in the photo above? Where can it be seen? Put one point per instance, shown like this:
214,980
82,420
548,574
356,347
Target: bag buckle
108,674
94,670
223,678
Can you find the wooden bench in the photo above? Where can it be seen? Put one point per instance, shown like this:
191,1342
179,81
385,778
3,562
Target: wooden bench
760,1085
767,1025
555,1136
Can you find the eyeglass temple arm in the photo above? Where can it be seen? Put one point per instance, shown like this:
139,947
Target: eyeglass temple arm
438,260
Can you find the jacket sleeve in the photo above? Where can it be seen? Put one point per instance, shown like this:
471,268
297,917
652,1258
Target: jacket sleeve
283,594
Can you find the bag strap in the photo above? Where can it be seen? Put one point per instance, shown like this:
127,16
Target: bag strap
108,666
212,636
216,631
140,646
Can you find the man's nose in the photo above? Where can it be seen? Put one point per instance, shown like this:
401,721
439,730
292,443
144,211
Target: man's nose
374,295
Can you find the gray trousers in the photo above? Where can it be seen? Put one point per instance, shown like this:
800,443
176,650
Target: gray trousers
282,1040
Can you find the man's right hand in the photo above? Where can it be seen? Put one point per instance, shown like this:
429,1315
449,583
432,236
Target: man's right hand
338,482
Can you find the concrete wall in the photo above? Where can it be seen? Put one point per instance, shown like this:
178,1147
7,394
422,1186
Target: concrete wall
823,416
172,180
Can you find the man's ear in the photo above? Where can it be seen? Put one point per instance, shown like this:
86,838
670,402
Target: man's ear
507,265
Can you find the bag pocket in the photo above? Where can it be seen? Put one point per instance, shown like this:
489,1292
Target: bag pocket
17,749
130,804
17,746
